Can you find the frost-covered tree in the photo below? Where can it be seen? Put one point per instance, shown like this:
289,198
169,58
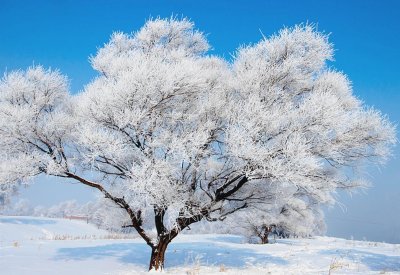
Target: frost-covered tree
300,219
6,191
18,208
289,212
173,135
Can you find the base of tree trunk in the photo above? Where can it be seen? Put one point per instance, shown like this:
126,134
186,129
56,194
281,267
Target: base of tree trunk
264,239
158,256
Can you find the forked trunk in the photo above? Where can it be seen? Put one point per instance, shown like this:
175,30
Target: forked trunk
158,255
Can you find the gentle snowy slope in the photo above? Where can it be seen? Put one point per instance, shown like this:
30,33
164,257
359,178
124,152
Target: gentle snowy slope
25,250
17,228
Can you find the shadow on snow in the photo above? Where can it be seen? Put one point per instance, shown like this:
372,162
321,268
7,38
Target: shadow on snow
227,239
177,254
375,262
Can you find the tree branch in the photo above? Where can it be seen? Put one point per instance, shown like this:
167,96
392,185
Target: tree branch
136,219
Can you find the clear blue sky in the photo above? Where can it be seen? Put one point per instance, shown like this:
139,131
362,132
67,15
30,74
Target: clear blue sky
366,34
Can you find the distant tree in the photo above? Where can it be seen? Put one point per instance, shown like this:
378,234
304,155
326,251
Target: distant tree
18,208
172,135
290,212
63,209
6,191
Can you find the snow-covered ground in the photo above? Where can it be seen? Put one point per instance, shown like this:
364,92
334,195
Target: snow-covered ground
55,246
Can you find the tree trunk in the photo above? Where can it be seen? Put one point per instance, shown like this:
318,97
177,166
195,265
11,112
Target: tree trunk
265,233
165,237
158,255
264,238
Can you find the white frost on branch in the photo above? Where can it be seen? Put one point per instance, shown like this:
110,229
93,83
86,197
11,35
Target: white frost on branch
173,135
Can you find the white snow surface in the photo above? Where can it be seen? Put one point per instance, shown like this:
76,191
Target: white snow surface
31,245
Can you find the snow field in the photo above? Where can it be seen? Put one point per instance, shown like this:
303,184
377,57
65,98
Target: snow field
24,249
